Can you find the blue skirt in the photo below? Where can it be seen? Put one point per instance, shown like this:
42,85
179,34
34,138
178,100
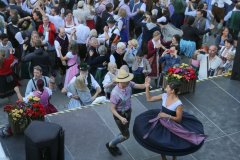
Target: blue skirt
161,140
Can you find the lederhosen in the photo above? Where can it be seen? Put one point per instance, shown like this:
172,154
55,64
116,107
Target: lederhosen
124,128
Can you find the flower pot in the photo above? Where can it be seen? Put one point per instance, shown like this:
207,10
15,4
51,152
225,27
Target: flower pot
37,119
17,128
186,86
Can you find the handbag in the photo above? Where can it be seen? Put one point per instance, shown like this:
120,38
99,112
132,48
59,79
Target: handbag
9,78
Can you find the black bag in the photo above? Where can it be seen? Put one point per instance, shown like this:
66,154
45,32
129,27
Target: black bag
44,141
211,72
9,78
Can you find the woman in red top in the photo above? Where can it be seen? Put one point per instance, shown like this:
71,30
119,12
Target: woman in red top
8,81
155,49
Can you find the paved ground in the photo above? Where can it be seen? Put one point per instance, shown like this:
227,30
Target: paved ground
216,103
58,99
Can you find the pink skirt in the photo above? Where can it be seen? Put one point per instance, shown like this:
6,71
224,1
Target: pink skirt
70,73
50,109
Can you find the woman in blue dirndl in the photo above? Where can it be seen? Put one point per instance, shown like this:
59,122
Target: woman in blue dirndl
169,130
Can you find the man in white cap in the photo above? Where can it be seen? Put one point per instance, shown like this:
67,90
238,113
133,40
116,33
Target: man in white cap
82,12
121,108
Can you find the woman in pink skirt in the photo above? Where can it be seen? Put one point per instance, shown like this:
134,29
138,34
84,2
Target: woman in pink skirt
44,94
72,65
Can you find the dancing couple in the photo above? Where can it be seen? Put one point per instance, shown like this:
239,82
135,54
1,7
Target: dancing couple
167,130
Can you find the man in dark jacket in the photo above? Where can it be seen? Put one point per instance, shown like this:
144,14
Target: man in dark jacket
38,58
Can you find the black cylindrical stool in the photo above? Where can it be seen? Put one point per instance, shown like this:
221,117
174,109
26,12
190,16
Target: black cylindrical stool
44,141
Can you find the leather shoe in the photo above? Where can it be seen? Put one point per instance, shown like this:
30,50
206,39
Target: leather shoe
111,149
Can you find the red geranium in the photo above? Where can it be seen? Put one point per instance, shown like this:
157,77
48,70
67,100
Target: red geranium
182,73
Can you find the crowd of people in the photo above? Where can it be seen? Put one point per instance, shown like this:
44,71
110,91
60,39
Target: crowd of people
80,46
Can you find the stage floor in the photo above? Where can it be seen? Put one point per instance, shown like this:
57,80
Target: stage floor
216,102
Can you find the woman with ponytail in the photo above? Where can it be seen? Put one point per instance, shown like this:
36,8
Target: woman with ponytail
44,93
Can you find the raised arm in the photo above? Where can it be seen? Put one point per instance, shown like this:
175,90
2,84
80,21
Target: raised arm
148,96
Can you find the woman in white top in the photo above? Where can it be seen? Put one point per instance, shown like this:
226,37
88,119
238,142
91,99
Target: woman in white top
69,20
72,65
168,130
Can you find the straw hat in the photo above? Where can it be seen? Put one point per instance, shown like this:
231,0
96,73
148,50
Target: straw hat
123,76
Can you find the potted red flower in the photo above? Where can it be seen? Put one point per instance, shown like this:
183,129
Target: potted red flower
21,114
184,74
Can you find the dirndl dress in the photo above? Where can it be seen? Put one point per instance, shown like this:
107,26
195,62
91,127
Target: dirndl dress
72,68
167,137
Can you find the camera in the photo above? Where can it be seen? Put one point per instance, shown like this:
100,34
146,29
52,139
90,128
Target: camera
202,52
169,51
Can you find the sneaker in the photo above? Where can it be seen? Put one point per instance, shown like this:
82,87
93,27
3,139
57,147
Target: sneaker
111,149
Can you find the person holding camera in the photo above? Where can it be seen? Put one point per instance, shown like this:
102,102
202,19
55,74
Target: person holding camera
210,63
169,58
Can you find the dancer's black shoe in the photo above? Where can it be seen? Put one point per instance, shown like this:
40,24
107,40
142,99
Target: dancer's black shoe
111,149
117,150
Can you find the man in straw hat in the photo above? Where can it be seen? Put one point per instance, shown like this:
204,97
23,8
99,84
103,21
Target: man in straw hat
121,108
91,83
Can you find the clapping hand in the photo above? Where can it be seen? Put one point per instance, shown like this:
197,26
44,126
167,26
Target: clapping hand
25,47
105,29
11,50
91,53
73,31
105,63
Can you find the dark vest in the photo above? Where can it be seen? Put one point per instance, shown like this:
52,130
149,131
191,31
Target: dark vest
64,44
147,34
234,22
119,59
12,31
124,32
134,9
